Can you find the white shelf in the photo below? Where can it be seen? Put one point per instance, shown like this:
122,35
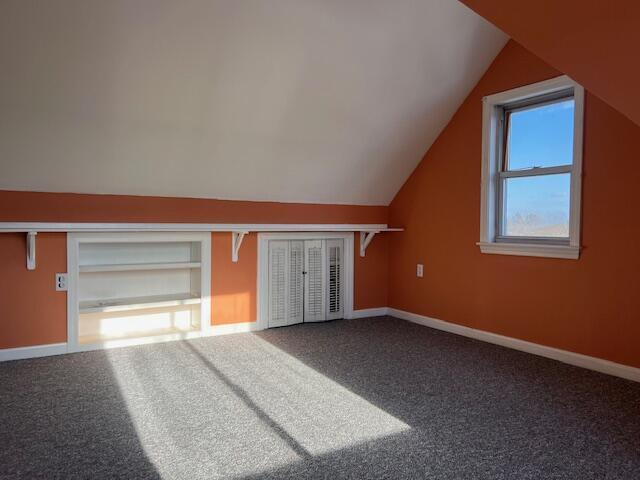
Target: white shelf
138,303
192,227
99,338
138,267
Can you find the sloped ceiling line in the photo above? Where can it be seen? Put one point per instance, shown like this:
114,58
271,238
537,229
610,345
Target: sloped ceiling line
288,100
594,42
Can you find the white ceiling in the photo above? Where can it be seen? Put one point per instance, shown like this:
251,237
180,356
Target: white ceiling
331,101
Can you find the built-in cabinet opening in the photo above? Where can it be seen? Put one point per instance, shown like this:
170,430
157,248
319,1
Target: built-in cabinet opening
305,279
135,287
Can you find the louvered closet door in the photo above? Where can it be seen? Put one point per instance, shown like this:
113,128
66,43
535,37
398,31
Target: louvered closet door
314,301
296,282
278,283
335,279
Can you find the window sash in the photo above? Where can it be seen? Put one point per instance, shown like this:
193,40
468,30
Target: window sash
493,121
539,101
528,240
531,172
522,105
504,173
535,171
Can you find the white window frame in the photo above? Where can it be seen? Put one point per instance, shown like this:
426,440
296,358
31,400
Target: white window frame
492,129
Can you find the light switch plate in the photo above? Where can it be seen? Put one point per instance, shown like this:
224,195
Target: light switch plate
61,282
420,270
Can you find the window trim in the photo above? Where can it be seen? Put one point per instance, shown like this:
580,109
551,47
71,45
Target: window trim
492,138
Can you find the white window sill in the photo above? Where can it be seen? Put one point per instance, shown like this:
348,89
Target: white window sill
530,250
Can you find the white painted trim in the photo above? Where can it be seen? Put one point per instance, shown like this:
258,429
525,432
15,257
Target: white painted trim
138,267
369,312
36,351
490,170
154,301
263,268
130,342
530,250
31,250
205,284
13,227
230,328
73,248
73,274
572,358
236,242
576,176
365,240
552,85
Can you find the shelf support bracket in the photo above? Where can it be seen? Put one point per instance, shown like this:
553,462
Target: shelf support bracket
31,250
365,240
236,241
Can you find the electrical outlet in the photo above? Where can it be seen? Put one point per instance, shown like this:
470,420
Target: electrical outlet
420,270
61,282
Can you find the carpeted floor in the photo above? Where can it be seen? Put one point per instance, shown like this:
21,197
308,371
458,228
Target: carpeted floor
370,398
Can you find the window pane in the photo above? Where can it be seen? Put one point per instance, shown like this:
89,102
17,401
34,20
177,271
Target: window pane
541,136
537,206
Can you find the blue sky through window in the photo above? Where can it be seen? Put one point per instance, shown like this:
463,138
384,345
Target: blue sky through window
539,137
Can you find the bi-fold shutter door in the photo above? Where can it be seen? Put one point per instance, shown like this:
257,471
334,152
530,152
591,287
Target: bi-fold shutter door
296,281
278,282
314,301
334,269
313,297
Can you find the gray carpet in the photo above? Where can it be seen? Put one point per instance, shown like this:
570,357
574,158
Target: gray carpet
371,398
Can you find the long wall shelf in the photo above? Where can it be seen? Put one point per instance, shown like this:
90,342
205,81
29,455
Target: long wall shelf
137,266
8,227
238,231
138,303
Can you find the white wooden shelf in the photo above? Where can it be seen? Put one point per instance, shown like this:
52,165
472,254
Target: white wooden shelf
192,227
138,266
98,338
238,231
138,303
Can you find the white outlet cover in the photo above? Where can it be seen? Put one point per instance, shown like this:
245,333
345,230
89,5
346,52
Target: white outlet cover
420,270
61,282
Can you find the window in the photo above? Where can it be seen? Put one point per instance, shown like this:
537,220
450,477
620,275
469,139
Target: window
532,158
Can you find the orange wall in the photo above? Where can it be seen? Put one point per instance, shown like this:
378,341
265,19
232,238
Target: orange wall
594,41
33,313
233,285
590,306
371,272
71,207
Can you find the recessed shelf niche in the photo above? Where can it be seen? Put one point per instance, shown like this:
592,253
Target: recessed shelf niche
139,286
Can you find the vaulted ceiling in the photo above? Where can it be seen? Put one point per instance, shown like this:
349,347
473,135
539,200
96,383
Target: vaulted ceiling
287,100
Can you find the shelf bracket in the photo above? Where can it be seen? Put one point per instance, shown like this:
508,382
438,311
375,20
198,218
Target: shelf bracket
236,241
365,240
31,250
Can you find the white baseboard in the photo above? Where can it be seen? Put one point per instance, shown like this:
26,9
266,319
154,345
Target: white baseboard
214,331
131,342
226,329
576,359
60,348
32,352
369,312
